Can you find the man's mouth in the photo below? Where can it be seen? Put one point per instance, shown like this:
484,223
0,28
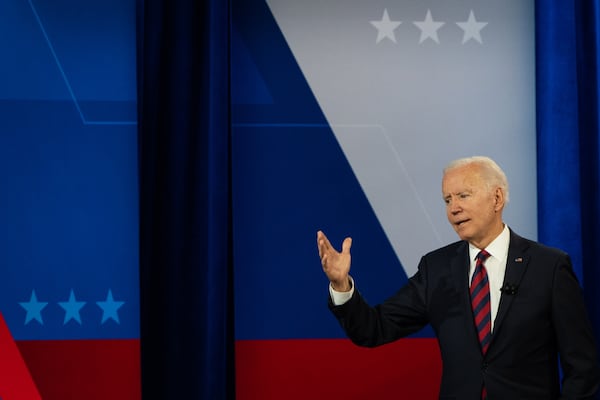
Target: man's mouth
460,223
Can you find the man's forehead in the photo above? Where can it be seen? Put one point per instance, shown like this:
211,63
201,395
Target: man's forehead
458,181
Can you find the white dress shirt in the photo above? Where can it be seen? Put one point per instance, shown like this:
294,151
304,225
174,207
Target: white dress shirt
495,266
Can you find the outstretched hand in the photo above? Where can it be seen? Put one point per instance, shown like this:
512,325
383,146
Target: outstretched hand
336,265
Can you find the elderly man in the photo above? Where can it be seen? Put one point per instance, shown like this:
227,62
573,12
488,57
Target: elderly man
506,310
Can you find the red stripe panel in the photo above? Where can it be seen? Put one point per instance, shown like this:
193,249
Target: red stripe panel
84,369
15,379
337,369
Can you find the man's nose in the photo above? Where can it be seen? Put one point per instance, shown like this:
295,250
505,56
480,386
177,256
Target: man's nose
455,207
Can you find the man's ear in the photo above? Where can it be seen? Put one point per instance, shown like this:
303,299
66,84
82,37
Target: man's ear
498,199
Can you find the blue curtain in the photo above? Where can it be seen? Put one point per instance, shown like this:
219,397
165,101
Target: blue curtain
567,137
185,216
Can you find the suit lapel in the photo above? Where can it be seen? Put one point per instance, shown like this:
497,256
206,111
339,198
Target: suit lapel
460,271
516,264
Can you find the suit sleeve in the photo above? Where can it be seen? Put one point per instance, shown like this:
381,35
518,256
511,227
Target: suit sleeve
577,348
398,316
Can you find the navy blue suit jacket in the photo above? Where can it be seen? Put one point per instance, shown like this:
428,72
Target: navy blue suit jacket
542,319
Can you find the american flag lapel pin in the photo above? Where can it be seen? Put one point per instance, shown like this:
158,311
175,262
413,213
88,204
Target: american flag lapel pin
519,259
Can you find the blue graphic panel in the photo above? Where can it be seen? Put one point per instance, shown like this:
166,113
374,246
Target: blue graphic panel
68,170
290,179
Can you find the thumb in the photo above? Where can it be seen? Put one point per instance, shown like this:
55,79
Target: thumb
346,245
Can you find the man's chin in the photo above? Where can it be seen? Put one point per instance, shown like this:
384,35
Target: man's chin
462,234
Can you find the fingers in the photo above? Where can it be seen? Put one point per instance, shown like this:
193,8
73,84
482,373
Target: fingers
326,249
322,239
335,264
322,244
346,245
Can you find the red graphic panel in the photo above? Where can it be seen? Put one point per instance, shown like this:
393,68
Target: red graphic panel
84,369
15,380
337,369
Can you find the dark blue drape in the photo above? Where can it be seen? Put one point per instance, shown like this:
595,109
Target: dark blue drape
185,216
567,129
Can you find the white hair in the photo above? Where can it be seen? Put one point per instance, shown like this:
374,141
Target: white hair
490,171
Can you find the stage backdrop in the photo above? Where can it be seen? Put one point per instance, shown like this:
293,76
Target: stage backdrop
344,114
69,289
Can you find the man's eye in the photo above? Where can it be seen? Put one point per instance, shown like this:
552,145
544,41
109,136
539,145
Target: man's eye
464,195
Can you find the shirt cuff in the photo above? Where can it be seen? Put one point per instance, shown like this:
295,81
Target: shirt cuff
339,298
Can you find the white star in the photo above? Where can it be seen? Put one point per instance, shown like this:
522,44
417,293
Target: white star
471,28
385,27
428,28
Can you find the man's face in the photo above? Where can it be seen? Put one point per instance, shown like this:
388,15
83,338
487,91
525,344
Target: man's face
473,209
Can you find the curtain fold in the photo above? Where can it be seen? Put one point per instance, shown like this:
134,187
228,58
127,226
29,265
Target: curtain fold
185,215
587,25
567,137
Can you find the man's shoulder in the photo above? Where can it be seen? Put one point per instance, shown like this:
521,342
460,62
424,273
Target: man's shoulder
517,242
449,249
528,245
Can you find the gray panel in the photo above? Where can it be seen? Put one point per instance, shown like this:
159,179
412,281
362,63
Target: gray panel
405,99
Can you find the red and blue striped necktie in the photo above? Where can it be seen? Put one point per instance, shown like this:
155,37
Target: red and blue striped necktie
480,301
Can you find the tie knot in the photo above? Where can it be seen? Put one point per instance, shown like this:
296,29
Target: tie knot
483,255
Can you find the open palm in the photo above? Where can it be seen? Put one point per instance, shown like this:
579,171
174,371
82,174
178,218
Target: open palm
336,265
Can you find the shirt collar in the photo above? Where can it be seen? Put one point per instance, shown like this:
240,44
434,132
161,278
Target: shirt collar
498,249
